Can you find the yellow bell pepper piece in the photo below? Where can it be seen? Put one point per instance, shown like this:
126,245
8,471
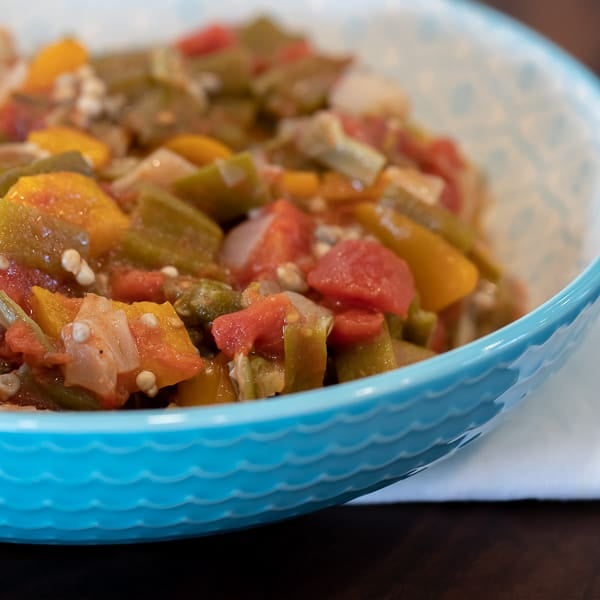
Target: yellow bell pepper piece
442,274
211,386
337,188
60,57
57,140
52,311
198,149
298,184
76,199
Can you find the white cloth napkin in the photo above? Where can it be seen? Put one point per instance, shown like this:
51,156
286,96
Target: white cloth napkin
548,447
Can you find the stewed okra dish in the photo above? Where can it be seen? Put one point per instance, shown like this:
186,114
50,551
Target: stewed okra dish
229,216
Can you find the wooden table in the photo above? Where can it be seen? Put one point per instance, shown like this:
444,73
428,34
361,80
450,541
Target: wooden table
422,551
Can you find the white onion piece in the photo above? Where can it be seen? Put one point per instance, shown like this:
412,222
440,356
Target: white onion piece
427,188
243,239
162,167
361,93
109,351
311,312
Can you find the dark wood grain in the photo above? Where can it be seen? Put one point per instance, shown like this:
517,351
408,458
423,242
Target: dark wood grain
429,551
516,551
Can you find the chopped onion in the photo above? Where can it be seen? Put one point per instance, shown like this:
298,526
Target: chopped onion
243,239
108,352
427,188
361,93
162,167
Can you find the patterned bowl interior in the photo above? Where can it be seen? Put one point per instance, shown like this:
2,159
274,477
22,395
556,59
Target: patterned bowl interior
512,105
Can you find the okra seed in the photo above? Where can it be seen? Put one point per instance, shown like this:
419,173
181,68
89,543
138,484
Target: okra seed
321,249
170,271
89,106
85,276
71,261
291,278
4,262
149,320
81,332
146,380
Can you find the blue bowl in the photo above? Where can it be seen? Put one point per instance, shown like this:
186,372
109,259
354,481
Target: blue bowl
523,109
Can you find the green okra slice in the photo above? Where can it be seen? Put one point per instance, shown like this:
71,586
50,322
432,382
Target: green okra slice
226,189
366,358
67,161
36,239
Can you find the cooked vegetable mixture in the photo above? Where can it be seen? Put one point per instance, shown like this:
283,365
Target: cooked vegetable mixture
231,216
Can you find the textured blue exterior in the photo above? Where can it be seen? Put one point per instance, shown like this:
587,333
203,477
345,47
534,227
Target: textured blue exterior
163,474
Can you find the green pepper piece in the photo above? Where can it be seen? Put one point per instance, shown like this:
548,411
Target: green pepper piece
226,189
205,301
395,325
263,36
173,220
67,161
123,72
324,140
230,120
232,67
11,312
36,239
69,398
257,377
367,358
160,111
435,218
305,351
407,353
419,325
299,88
141,248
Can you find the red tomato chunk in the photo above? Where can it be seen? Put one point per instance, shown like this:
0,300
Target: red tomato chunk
365,274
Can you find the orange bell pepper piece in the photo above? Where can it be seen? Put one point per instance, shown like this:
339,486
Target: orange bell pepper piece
76,199
442,274
211,386
298,184
57,140
337,188
198,149
60,57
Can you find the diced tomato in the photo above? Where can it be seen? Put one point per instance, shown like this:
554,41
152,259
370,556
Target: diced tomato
17,282
20,339
259,326
207,40
353,326
442,158
371,130
287,238
136,285
365,274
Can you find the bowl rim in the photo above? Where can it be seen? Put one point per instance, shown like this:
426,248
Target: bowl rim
583,289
